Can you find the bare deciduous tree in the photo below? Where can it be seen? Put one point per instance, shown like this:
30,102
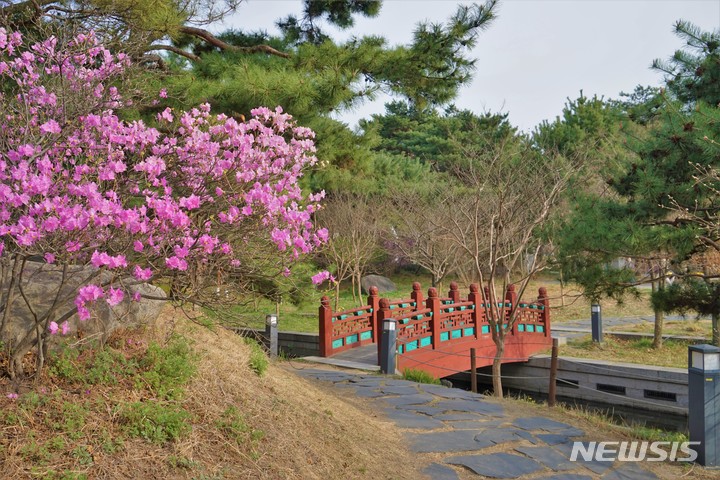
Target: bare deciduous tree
505,194
354,232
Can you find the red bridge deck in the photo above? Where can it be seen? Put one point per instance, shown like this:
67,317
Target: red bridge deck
435,335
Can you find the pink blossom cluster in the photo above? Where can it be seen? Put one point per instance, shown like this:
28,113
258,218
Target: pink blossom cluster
78,185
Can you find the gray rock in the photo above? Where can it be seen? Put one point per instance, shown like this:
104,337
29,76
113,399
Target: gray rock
43,283
383,284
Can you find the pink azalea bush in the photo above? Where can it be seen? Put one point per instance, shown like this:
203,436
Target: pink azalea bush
80,186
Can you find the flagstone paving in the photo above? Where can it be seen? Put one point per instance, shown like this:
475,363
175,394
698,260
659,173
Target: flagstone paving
466,430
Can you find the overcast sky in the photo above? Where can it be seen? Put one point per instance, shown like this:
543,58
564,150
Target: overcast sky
537,53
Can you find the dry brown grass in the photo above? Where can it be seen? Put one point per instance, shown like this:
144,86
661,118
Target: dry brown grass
672,354
689,328
290,429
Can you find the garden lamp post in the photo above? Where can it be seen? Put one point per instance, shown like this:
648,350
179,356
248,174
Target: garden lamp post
271,332
704,402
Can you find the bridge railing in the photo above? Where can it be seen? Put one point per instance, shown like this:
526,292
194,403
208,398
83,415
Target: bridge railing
447,320
430,322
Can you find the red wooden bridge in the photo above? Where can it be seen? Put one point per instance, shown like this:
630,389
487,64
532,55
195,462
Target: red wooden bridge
436,334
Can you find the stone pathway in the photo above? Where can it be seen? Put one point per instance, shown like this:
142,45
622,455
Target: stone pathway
467,430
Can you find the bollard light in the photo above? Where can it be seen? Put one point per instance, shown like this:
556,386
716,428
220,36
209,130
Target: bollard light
704,402
596,322
388,346
271,332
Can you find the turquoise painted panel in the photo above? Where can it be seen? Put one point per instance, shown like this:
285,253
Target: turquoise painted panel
540,328
342,317
451,309
468,331
485,329
405,320
403,305
521,328
413,304
444,336
531,328
456,334
417,317
337,343
409,347
370,310
351,339
392,306
424,342
400,349
463,308
365,335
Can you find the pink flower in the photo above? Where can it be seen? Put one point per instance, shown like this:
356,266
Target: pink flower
65,327
163,93
321,277
53,327
166,115
114,296
49,258
142,274
12,396
51,126
175,263
192,202
136,297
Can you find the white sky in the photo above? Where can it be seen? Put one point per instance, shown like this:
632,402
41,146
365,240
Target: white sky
537,53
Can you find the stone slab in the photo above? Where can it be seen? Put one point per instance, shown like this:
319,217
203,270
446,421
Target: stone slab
545,424
475,406
440,472
446,442
410,420
549,457
629,471
497,465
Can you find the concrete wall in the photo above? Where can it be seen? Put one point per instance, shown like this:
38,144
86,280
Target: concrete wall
618,387
292,344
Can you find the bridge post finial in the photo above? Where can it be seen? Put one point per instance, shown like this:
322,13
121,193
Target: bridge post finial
417,295
374,303
544,300
433,303
383,313
454,292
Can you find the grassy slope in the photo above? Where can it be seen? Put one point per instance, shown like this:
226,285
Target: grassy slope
243,426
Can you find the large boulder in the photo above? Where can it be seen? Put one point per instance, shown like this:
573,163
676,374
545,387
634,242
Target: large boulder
43,285
383,284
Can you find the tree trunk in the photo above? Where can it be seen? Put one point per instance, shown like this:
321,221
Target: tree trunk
497,366
337,295
715,329
659,318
